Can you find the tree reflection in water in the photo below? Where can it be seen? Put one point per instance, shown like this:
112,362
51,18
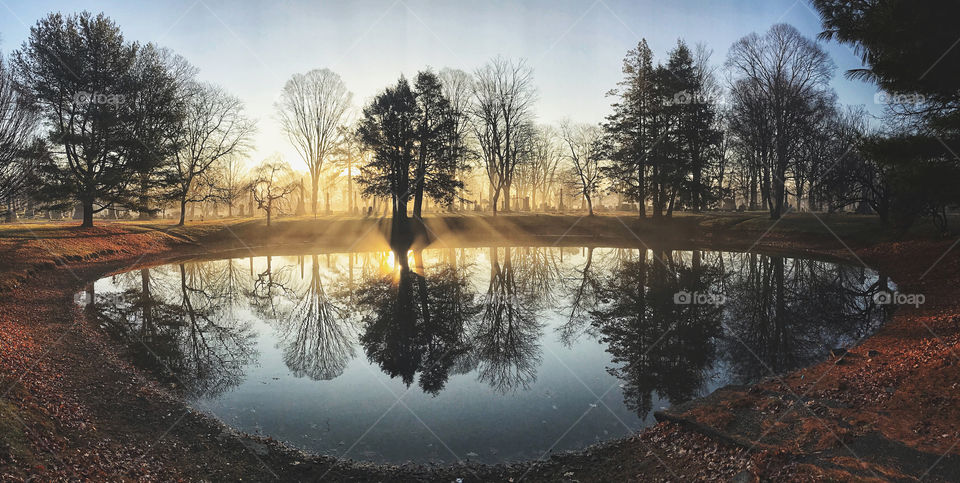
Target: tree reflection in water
657,344
425,320
415,320
786,313
777,314
315,340
173,326
582,289
507,334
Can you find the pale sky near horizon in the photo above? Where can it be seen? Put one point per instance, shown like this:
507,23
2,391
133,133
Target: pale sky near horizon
575,47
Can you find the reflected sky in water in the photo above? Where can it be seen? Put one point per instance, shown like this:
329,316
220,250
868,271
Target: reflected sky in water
487,354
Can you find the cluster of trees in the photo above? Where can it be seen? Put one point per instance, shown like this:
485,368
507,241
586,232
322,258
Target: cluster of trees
912,165
663,138
17,155
772,136
91,120
411,132
125,125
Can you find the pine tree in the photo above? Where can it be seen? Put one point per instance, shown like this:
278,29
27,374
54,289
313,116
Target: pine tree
628,131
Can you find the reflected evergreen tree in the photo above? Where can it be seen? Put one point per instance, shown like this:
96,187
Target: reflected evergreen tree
415,322
658,344
425,322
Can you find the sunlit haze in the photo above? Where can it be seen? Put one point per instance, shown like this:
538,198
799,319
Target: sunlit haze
479,240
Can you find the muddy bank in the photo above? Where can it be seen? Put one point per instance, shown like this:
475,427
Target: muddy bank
85,412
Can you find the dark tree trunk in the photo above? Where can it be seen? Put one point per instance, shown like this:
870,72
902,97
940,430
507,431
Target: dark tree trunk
657,193
418,189
779,190
351,201
641,191
697,195
144,207
87,213
183,212
672,202
506,196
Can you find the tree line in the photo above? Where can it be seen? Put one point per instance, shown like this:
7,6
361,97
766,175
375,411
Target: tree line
93,122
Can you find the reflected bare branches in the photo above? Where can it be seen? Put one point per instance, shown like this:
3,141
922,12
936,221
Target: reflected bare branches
171,324
789,312
508,332
582,289
317,336
425,316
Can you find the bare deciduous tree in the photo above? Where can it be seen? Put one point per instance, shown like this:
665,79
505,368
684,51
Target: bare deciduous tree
503,107
214,129
458,89
348,155
785,75
544,156
164,80
233,178
18,123
273,182
312,108
583,150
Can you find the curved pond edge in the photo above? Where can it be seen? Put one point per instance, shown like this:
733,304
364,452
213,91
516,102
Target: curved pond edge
626,458
203,252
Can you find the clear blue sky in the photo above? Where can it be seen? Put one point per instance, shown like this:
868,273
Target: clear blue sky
575,47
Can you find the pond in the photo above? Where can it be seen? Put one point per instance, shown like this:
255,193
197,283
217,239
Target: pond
481,354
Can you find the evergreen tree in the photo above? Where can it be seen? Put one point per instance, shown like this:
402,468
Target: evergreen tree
389,129
437,144
627,130
410,132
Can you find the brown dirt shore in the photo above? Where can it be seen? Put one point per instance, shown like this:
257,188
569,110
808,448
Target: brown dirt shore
71,409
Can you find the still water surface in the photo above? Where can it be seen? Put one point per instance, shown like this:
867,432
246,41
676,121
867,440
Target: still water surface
482,354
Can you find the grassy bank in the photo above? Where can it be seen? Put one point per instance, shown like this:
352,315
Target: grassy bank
70,407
